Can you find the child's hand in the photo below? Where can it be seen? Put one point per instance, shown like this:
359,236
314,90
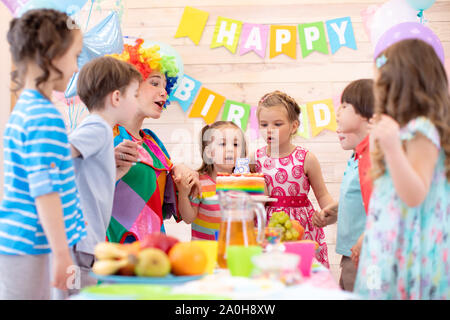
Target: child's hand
184,186
386,131
61,264
356,250
126,155
318,219
182,172
327,216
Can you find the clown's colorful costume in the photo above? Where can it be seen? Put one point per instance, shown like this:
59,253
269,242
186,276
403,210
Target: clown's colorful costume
146,194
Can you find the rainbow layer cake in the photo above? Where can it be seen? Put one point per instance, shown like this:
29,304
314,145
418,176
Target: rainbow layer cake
252,183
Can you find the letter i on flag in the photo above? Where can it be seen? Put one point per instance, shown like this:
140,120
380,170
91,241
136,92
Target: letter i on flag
207,105
226,34
237,113
185,92
312,38
192,24
283,40
303,129
322,116
340,34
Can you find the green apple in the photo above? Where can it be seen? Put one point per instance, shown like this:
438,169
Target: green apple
152,262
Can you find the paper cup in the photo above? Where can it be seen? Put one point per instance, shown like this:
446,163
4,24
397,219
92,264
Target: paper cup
239,259
306,251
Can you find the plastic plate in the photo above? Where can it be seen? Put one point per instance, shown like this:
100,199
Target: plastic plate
167,280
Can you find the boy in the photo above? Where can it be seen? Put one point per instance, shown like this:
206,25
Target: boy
109,89
353,118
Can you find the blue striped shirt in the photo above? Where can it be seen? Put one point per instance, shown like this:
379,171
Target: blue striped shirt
37,161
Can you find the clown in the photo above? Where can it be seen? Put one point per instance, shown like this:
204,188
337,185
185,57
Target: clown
146,195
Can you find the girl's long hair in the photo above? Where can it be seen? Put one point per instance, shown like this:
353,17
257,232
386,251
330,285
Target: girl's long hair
207,166
40,36
412,83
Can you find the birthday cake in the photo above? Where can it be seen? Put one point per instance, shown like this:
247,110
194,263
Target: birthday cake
252,183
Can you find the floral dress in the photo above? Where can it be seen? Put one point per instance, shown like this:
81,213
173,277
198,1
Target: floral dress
405,250
286,180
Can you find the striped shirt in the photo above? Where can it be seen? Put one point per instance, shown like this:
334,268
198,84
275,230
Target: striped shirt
37,161
209,216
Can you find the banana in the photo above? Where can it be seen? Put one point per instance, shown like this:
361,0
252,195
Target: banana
108,267
110,250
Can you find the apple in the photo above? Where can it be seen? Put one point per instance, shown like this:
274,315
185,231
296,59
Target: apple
158,240
152,262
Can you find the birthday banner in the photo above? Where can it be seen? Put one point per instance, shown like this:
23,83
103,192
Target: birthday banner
315,115
230,33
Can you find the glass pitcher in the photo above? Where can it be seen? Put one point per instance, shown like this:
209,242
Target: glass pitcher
237,225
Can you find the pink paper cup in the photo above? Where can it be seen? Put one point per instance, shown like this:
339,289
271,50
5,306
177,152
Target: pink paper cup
306,252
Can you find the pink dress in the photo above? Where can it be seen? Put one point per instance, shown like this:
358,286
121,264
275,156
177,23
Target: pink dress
286,181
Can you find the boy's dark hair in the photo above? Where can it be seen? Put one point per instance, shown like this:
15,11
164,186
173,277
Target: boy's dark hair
101,76
39,35
359,94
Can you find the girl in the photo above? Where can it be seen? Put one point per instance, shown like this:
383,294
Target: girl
290,170
146,195
221,144
40,210
406,241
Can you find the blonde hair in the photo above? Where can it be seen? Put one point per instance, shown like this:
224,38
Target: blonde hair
412,83
278,98
207,165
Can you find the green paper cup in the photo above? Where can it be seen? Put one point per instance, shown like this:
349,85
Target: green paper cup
239,259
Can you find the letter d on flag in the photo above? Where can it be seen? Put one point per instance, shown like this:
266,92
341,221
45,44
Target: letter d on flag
322,116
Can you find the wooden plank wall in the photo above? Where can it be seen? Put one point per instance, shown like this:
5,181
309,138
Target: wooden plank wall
246,78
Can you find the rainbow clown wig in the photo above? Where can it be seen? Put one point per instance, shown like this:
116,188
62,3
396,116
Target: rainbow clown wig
148,60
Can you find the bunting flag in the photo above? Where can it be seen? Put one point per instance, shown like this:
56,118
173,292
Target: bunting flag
283,40
303,129
192,24
254,38
236,112
340,34
207,105
322,116
254,125
312,38
226,33
185,92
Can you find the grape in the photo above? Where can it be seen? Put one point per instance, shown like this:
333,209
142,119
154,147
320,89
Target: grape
288,235
295,234
288,224
272,223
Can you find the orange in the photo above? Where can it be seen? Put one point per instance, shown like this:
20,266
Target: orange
187,259
297,226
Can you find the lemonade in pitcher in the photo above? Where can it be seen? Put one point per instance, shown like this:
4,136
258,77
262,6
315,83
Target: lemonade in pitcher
237,226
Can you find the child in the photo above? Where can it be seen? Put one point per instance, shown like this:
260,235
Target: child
109,89
221,144
406,240
353,131
290,170
40,212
